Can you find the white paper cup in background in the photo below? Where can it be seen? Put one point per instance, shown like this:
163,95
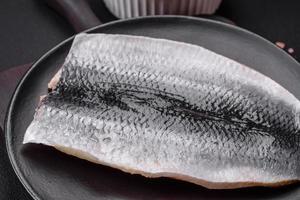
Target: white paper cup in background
135,8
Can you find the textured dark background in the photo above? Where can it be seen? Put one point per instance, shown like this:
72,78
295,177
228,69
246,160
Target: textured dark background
29,29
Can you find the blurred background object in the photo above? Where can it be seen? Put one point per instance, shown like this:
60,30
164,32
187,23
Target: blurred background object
77,12
136,8
80,15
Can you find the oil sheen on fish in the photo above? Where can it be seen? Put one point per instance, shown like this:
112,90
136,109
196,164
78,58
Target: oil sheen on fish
162,108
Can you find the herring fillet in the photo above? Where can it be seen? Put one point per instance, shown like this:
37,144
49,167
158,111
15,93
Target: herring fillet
162,108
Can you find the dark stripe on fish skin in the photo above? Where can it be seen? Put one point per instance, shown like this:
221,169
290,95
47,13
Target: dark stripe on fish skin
224,113
114,92
89,79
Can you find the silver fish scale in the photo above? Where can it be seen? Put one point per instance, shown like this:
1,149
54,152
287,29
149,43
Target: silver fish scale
158,106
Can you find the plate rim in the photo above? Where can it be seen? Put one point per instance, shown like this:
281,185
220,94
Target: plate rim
7,122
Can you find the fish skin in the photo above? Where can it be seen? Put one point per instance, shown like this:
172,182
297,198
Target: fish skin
162,108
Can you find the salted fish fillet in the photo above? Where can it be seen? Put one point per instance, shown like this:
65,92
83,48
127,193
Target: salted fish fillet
162,108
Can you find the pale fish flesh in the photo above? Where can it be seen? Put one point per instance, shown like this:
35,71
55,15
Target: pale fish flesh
162,108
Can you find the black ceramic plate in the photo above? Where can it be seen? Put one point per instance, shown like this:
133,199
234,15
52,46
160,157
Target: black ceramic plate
50,175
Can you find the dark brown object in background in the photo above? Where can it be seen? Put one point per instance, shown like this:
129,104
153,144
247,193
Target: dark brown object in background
8,82
77,12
